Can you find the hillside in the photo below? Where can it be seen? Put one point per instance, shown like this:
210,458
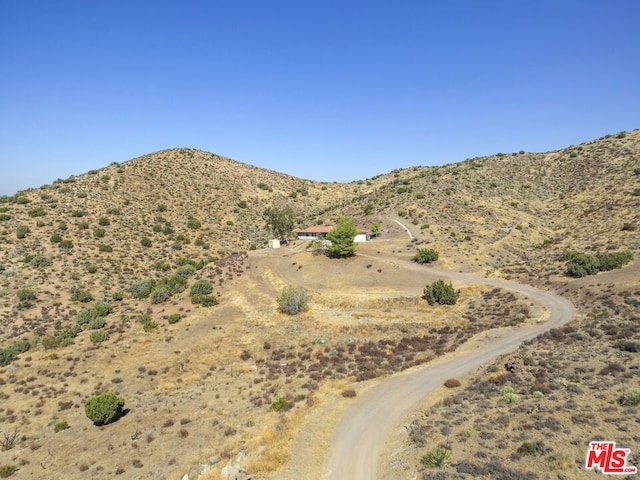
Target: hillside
200,381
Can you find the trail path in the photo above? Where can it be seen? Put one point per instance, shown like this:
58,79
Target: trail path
360,437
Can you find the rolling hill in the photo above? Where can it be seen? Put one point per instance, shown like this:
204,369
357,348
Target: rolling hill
201,385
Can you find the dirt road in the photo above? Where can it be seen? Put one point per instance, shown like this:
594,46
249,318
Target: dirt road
360,437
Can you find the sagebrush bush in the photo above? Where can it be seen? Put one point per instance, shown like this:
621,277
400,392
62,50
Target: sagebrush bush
7,470
104,408
142,289
204,300
425,255
441,293
98,336
174,318
80,295
631,397
201,287
293,300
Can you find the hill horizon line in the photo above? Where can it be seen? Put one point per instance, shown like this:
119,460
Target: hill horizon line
193,149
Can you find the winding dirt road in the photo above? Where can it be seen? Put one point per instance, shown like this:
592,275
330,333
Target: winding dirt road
359,439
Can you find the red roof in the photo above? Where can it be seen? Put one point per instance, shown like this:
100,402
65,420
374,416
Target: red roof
317,229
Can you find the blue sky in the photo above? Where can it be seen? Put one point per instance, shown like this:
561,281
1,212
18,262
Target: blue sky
331,90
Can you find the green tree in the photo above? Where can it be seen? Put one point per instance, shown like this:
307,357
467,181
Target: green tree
280,221
104,408
376,228
441,293
341,238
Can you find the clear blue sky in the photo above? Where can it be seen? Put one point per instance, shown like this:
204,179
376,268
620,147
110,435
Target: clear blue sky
326,90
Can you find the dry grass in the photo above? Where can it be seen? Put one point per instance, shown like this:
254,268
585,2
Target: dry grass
221,368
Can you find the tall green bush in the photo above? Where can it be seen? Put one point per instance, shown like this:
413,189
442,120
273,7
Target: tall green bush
104,408
425,255
441,293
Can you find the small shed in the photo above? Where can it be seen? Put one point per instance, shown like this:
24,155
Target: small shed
274,243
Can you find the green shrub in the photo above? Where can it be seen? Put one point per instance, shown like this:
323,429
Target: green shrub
9,354
581,265
26,294
98,336
425,255
193,223
22,231
117,296
99,232
161,207
174,318
629,345
628,227
105,248
186,270
636,192
60,426
611,261
4,217
142,289
511,397
79,295
91,268
104,221
204,300
55,238
201,287
631,397
436,458
441,293
37,212
65,245
145,242
293,300
160,294
279,404
149,325
104,408
7,470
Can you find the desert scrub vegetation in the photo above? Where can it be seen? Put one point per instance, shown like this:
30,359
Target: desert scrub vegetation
93,317
10,353
98,336
441,293
631,397
293,300
425,255
200,294
104,408
7,470
436,458
583,264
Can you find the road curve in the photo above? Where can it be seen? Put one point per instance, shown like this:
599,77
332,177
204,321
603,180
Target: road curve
359,439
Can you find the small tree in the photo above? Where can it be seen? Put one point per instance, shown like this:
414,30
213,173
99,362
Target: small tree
104,408
441,293
376,228
341,238
293,300
280,221
425,255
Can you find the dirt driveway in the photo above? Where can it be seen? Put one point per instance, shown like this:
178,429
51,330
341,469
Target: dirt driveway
360,437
